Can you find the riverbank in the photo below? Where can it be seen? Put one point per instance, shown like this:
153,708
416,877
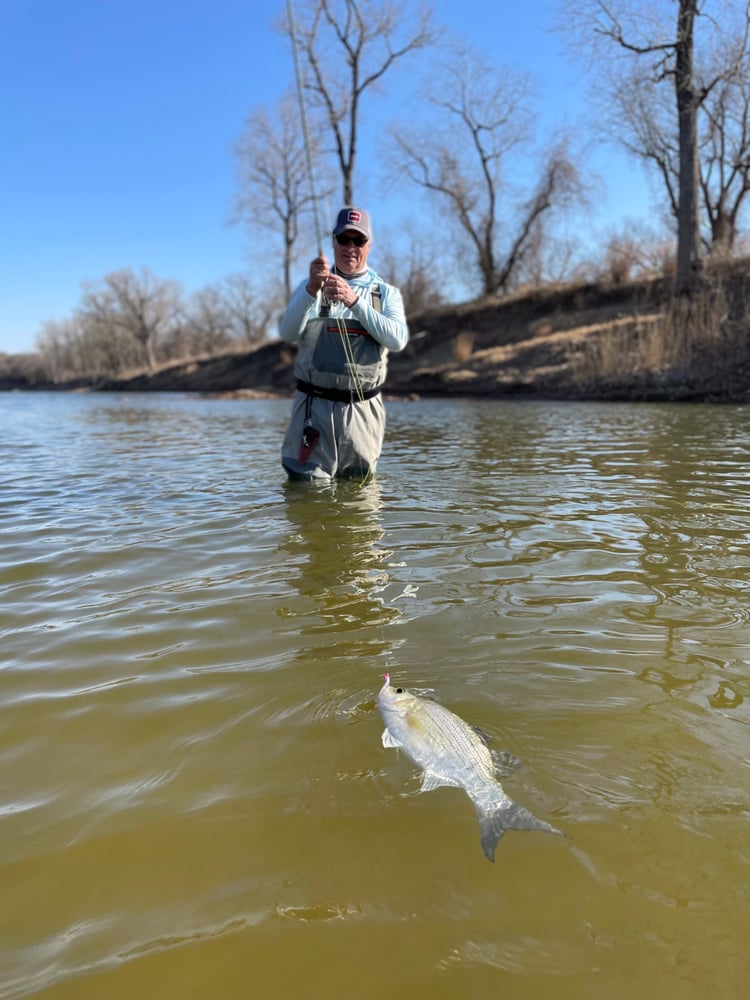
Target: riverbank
587,342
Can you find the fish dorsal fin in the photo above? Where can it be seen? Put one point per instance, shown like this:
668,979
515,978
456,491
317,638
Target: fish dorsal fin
484,737
430,780
389,740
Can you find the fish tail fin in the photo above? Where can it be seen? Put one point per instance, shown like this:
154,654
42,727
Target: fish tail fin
511,816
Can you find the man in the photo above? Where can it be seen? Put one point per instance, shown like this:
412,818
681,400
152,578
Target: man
345,320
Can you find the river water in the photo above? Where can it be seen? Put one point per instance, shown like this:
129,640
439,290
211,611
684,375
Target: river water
194,798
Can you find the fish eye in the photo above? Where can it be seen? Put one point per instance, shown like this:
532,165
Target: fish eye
399,690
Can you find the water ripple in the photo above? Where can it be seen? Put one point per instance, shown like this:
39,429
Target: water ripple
192,773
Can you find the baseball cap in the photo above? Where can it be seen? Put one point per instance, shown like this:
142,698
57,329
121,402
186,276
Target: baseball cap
353,218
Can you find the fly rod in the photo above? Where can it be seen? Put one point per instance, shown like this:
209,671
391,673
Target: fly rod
303,119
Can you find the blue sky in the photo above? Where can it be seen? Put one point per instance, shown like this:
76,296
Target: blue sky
118,119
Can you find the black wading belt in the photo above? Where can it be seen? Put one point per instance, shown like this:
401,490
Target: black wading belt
336,395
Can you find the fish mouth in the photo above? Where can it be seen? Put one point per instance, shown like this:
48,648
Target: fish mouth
393,699
383,692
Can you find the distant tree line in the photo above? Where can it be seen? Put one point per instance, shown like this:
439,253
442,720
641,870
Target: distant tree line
133,320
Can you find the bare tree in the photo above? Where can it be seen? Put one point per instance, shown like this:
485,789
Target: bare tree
724,151
208,326
647,127
634,251
667,56
24,371
273,187
464,158
689,262
138,304
99,338
104,348
249,311
86,345
348,47
56,344
227,314
413,270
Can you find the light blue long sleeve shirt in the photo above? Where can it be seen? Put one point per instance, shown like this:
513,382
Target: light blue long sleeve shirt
388,327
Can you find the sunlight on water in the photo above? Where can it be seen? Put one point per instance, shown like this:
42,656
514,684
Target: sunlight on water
194,798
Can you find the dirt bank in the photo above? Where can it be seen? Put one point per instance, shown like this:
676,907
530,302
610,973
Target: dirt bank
578,342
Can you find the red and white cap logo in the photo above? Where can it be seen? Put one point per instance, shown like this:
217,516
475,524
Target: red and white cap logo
353,218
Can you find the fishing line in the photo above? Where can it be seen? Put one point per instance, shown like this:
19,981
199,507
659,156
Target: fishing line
340,324
308,152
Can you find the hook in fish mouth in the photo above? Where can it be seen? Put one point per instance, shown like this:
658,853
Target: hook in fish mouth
388,692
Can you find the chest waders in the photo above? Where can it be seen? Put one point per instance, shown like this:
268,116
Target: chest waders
338,360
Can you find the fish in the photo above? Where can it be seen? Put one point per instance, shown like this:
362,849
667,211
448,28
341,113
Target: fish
450,752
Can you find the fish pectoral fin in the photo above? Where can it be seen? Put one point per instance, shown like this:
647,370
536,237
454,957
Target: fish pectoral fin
389,740
430,781
505,761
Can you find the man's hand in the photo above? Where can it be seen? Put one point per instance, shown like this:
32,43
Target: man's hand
318,273
337,289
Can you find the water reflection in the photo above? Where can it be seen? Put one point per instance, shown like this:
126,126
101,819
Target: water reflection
338,564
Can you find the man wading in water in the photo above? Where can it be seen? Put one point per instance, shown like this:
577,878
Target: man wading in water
346,319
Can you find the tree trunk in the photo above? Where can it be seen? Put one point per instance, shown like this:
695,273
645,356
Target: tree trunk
723,232
148,343
288,258
689,262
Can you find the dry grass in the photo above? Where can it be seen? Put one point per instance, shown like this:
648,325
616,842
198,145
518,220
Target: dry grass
686,334
463,346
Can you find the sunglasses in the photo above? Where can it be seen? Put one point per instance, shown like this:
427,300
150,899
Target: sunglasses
343,240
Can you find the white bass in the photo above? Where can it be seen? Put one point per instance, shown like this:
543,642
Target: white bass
450,752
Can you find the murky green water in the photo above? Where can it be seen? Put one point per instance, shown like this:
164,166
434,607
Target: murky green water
194,799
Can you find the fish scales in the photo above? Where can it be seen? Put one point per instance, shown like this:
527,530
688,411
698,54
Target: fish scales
449,735
450,752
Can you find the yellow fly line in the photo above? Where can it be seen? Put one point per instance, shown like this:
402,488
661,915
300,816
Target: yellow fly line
350,362
340,323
